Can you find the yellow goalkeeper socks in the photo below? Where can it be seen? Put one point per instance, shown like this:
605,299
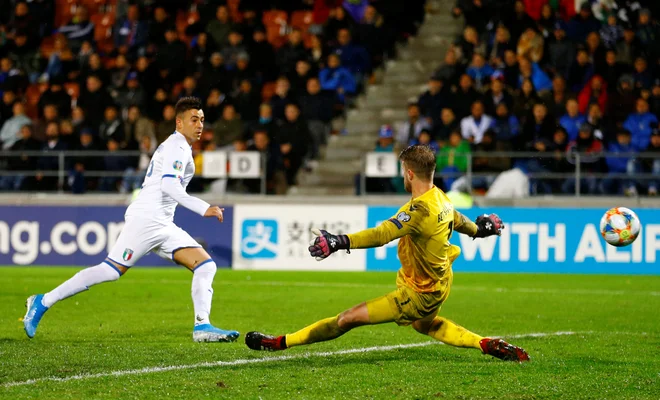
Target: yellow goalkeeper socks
325,329
448,332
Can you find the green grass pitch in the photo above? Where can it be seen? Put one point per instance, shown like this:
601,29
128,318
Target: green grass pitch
141,329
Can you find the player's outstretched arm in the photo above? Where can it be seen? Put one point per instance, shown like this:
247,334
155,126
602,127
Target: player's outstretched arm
174,161
484,226
396,227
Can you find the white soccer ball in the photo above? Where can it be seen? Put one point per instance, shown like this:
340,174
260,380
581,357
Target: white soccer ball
620,226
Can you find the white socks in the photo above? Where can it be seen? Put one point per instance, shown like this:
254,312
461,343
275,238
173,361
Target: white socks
80,282
202,291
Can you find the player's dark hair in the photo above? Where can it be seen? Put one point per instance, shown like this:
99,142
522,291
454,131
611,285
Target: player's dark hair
187,103
420,159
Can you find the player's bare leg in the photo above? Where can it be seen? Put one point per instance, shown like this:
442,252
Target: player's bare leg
198,261
452,334
38,304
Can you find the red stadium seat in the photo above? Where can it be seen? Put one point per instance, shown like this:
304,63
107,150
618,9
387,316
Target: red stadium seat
234,12
302,20
47,45
268,91
73,89
103,24
32,96
274,17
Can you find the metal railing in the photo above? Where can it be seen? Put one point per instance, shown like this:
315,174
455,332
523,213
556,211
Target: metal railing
548,168
60,164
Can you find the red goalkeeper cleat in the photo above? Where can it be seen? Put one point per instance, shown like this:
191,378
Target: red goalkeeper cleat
504,351
259,341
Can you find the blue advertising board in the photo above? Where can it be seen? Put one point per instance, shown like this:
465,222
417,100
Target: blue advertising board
82,236
541,240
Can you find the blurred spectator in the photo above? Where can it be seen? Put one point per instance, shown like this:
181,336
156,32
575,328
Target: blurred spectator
648,34
48,163
318,51
78,120
56,95
79,29
233,49
611,33
247,102
61,60
622,102
266,122
133,178
474,126
583,24
114,164
556,164
505,125
132,94
275,176
130,33
291,52
317,110
642,75
611,71
511,70
262,56
581,71
292,134
410,129
94,99
450,71
136,127
519,21
337,79
49,114
112,127
448,124
219,28
546,23
337,21
540,127
354,57
93,67
189,88
640,124
215,75
595,50
170,59
487,165
7,105
24,162
479,71
167,124
629,48
229,128
533,72
299,78
620,161
556,99
68,135
373,35
9,134
243,71
385,142
434,100
496,95
652,164
201,50
500,45
561,51
572,120
654,100
464,97
118,74
81,164
525,100
594,92
214,104
452,159
590,160
24,56
530,45
281,98
425,138
469,44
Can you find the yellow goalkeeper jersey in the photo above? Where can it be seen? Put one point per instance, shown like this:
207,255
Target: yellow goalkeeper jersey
424,225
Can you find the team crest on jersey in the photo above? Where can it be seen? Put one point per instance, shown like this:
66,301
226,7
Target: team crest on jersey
128,254
403,216
178,165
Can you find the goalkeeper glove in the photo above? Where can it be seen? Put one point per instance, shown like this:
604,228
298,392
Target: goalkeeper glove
488,225
326,243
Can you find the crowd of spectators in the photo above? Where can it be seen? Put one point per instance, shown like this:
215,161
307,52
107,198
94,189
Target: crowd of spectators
557,77
103,75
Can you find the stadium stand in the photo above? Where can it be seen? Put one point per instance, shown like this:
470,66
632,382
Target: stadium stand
113,69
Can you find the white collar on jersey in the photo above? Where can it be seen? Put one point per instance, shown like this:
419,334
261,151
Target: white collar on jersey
179,134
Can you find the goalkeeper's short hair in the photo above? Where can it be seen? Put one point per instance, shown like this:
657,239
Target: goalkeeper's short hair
420,159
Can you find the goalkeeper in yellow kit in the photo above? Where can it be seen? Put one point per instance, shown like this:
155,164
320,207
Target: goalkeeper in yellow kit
424,225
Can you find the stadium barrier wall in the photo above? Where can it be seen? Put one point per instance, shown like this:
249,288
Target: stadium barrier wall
276,236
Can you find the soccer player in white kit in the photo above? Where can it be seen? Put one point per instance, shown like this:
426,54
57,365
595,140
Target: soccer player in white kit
150,227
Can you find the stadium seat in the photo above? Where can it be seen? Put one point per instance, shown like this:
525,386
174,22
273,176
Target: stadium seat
103,26
47,46
32,96
302,20
268,91
64,10
73,89
274,17
234,11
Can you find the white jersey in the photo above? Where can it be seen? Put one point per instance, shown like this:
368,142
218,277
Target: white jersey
169,173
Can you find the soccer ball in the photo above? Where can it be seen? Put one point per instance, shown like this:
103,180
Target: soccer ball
620,226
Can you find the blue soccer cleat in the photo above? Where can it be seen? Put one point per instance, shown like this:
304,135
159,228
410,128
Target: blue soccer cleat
209,333
35,310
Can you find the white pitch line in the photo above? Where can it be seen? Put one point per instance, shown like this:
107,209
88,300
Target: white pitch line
248,361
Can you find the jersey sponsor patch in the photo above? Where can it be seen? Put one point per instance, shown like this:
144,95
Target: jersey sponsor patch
177,165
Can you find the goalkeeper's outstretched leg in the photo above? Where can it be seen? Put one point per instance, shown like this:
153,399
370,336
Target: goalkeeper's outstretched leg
452,334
